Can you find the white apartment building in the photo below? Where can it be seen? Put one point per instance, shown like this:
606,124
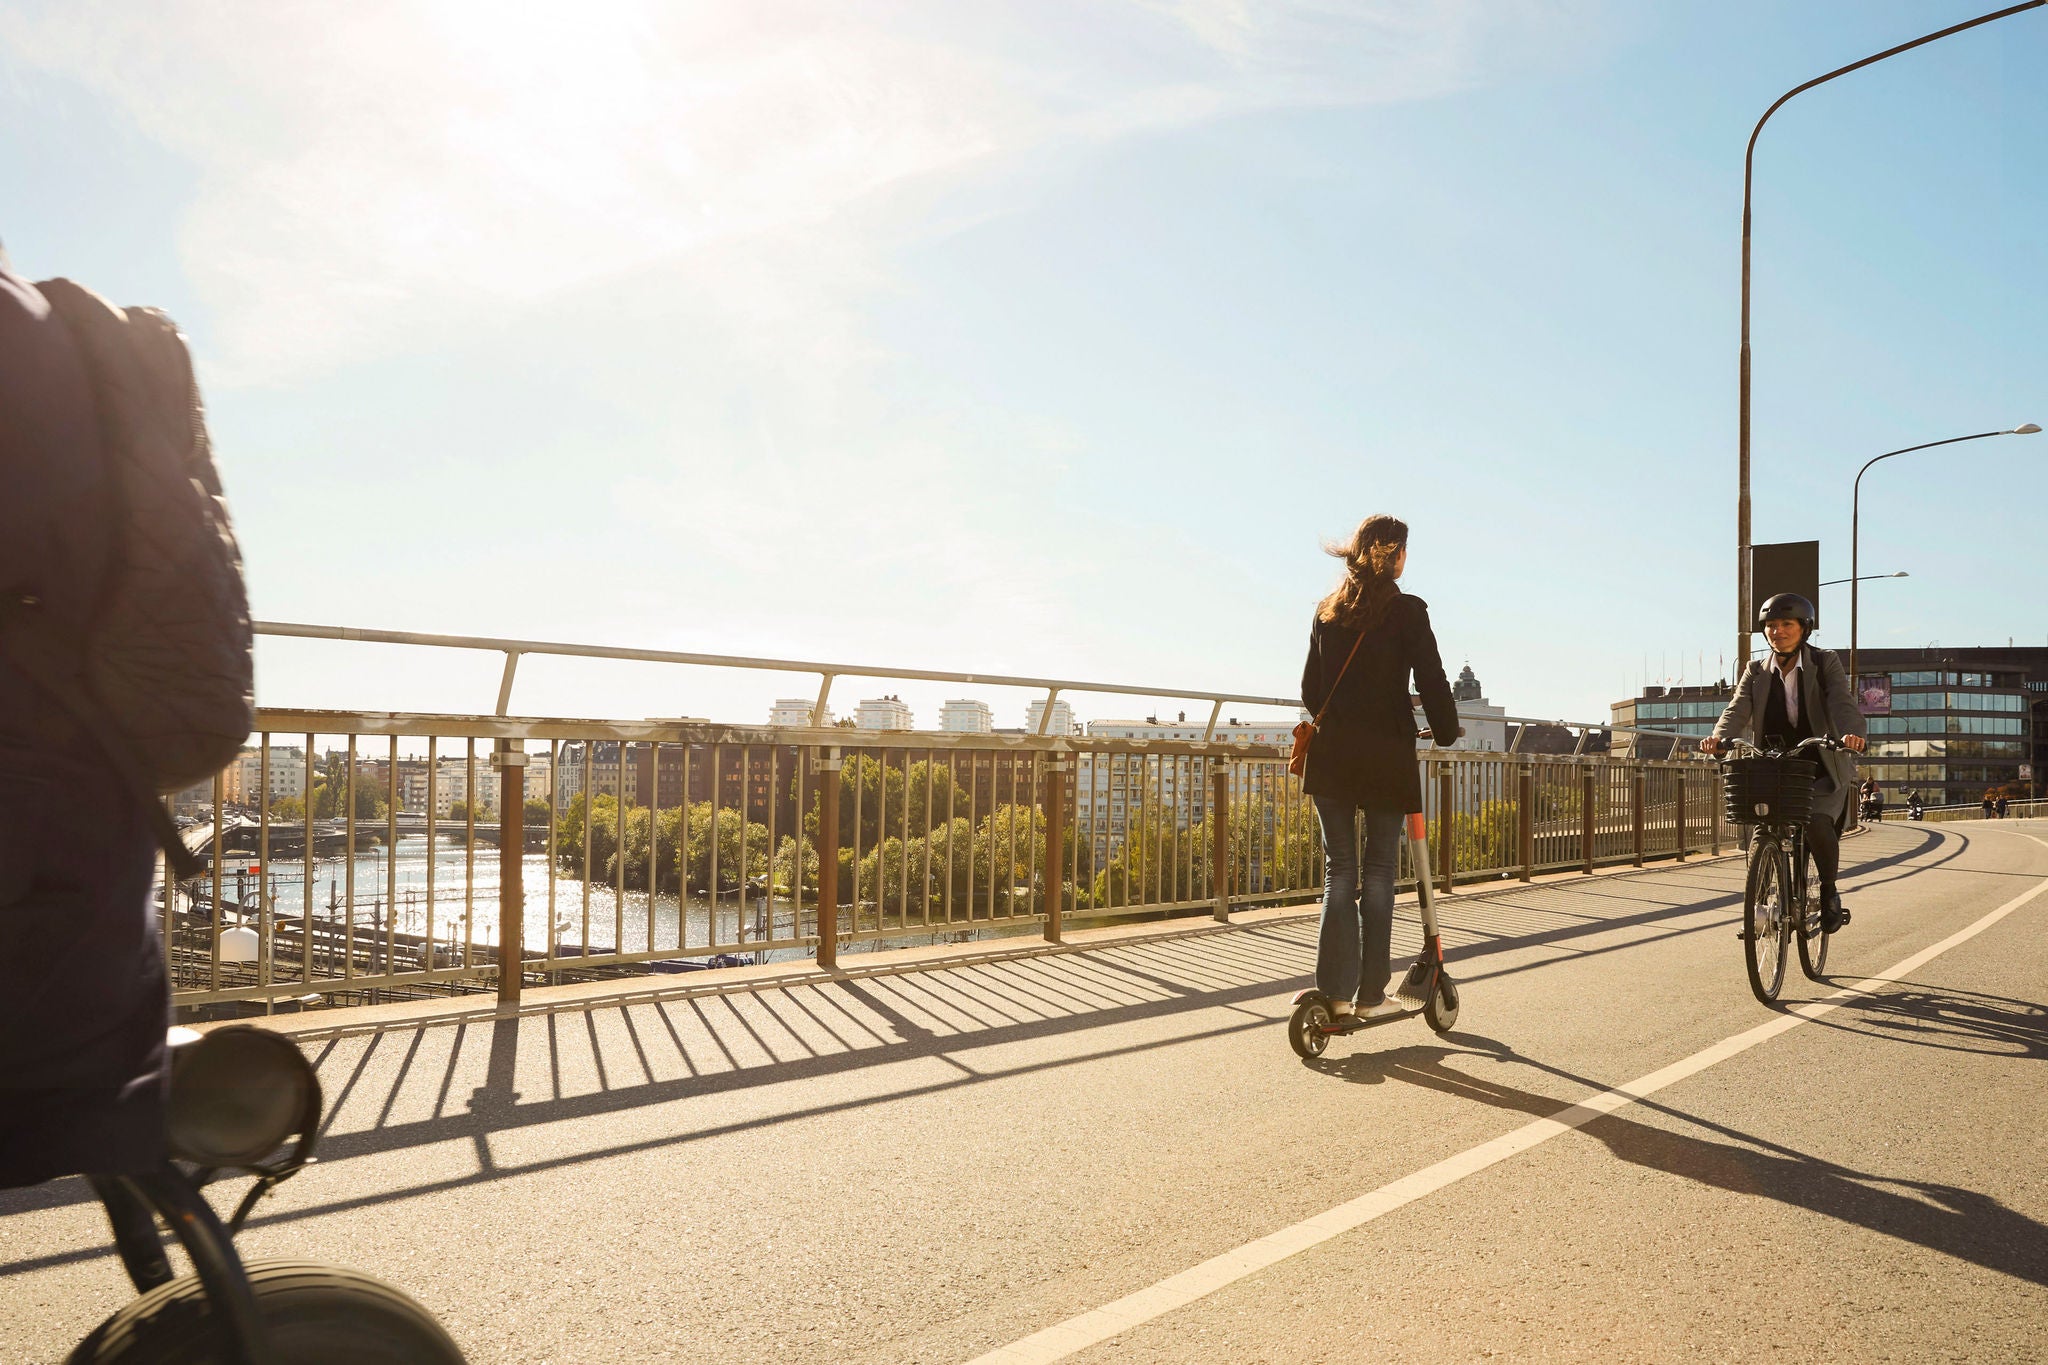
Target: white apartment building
796,711
883,713
967,718
451,784
1113,789
243,779
1062,718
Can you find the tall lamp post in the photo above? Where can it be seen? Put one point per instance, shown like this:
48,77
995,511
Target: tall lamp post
1742,592
1856,522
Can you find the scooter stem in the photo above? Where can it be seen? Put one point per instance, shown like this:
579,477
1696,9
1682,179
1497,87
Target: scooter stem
1425,892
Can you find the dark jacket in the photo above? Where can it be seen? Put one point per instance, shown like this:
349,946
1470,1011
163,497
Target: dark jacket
83,1002
1364,751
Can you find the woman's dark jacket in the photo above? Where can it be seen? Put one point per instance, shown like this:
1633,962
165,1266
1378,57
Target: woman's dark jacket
1364,751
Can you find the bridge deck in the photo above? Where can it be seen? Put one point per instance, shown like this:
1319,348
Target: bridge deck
926,1160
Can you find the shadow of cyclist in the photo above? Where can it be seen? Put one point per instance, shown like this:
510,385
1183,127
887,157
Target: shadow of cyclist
1966,1224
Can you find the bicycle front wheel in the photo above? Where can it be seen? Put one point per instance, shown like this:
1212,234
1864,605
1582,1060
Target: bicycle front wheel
1813,939
1766,917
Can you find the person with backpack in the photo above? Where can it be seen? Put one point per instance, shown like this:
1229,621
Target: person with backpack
1360,768
124,672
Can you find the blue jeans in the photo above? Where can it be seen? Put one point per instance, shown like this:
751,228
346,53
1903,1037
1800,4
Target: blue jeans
1357,933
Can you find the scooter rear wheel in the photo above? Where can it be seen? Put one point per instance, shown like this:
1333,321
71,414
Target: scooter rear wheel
1440,1012
316,1315
1306,1027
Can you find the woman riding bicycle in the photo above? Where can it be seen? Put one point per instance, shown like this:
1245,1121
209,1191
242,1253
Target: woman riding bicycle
1367,638
1799,692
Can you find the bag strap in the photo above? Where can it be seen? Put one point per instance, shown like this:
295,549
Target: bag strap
1317,723
22,614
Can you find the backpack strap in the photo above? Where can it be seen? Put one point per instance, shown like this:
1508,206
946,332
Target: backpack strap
32,651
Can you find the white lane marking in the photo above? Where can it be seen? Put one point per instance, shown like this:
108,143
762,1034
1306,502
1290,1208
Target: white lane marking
1177,1291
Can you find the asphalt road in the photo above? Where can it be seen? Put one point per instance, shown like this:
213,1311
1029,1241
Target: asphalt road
937,1165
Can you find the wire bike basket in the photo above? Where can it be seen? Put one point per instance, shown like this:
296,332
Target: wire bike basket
1769,791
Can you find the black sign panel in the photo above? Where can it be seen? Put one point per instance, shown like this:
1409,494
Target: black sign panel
1793,566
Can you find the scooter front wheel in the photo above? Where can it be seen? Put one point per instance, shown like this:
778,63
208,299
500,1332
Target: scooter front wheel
316,1315
1440,1012
1307,1028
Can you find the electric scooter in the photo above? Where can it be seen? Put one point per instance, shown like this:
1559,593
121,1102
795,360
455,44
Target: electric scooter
1427,990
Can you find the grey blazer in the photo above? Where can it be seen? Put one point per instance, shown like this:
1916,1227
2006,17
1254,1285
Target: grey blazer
1823,692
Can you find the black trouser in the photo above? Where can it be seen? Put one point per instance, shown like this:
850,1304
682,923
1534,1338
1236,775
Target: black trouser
1824,841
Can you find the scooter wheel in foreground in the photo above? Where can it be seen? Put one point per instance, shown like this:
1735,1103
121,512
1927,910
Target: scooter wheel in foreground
317,1315
1305,1028
1441,1011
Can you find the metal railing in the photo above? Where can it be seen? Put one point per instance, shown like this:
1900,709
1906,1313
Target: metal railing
428,853
1974,810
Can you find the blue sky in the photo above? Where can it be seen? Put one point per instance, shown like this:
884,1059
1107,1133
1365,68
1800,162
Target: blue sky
1052,338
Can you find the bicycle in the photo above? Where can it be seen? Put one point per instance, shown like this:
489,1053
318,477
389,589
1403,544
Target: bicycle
1771,793
238,1095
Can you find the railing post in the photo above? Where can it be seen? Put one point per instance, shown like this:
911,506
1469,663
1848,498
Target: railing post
1635,809
1219,851
828,858
1715,803
1446,826
1589,830
1526,801
511,761
1681,815
1055,882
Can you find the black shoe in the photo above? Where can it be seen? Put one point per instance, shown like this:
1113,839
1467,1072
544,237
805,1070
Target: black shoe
1832,914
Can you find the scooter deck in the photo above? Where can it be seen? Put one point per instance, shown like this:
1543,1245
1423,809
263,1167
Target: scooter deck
1359,1023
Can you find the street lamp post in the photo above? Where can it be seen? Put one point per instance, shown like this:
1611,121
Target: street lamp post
1865,578
1856,521
1742,586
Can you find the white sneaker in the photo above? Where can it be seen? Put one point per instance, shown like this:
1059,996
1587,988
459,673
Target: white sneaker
1383,1009
1341,1009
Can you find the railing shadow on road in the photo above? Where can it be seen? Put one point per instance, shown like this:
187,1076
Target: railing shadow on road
721,1043
1966,1224
725,1041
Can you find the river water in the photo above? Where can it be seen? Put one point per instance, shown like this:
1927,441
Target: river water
687,927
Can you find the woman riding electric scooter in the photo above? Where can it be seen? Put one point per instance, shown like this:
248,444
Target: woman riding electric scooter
1367,639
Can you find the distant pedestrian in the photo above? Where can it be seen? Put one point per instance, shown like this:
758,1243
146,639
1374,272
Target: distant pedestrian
2001,807
1367,638
1990,807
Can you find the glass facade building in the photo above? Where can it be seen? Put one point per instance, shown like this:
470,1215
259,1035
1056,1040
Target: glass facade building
1953,733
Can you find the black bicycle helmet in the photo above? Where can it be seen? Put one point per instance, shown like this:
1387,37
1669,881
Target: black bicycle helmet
1787,606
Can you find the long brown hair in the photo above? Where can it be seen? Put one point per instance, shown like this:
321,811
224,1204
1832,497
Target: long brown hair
1368,587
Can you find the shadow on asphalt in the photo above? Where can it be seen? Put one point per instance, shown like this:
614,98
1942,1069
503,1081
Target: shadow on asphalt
1946,1018
793,1033
1965,1224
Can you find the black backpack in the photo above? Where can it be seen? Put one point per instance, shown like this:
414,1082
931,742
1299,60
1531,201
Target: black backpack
165,675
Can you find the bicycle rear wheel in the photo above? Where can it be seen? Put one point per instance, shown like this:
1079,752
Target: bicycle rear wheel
1813,939
1766,918
317,1315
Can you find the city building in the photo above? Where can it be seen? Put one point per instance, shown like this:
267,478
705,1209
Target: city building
242,780
1482,734
1952,724
882,713
452,784
1689,710
1114,789
1062,719
796,712
967,717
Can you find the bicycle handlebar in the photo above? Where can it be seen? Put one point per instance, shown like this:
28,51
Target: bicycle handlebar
1822,741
